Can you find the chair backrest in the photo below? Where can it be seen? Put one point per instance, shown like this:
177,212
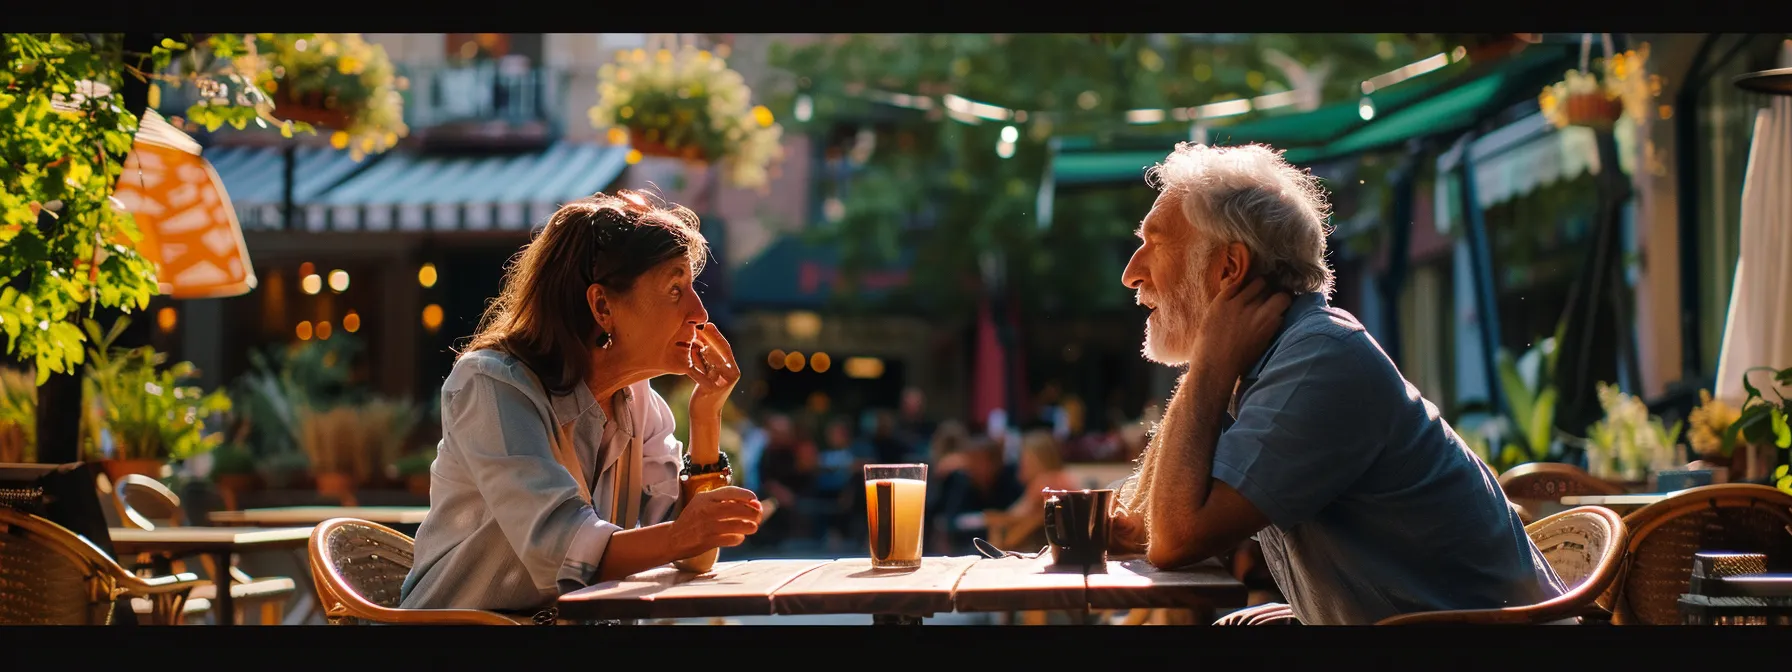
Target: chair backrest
359,569
1583,545
1540,486
144,503
1739,517
358,564
51,576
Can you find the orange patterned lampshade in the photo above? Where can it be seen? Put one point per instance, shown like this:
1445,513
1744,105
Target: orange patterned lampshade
189,227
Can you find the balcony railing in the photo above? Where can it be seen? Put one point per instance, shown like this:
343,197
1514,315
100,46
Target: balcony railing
507,93
512,92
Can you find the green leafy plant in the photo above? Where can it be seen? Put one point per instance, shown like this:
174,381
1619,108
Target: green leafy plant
18,416
63,135
141,407
1529,387
1765,421
232,459
415,464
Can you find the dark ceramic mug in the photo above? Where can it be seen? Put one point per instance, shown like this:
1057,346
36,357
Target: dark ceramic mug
1077,525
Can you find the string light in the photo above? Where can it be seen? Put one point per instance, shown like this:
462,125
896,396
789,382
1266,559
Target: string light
426,276
339,281
972,112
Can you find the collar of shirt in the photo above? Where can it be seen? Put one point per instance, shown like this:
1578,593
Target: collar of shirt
1302,304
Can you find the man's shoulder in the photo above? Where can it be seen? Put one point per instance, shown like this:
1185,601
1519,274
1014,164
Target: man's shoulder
1324,332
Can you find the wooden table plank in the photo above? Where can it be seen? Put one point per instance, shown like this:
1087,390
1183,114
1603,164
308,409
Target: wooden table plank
729,589
1015,584
852,586
312,515
1614,500
189,540
1132,583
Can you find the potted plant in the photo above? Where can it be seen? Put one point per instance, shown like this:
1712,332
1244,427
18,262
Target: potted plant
413,469
337,81
1762,423
1628,444
18,416
233,470
140,416
1706,434
347,444
688,105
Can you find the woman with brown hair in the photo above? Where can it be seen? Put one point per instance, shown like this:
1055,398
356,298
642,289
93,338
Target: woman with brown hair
558,466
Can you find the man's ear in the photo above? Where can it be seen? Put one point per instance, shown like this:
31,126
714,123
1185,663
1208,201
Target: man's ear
599,304
1234,264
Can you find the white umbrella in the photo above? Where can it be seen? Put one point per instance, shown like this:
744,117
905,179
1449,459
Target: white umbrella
1758,330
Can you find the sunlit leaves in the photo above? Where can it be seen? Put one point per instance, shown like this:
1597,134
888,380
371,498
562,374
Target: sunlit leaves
57,171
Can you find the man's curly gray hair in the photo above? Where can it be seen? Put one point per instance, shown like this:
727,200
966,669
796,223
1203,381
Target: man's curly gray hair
1250,194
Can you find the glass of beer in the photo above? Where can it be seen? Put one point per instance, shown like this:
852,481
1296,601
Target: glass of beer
895,499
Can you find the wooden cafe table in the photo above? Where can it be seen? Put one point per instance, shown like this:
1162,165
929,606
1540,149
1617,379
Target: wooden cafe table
313,515
219,542
900,596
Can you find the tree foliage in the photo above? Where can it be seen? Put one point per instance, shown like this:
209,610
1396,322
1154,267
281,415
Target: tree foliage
936,182
65,244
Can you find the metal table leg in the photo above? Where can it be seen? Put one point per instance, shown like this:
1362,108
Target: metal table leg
224,608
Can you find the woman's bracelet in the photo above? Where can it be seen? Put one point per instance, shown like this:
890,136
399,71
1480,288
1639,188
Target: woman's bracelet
719,466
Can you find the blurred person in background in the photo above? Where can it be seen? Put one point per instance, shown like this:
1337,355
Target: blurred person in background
837,502
912,425
786,473
983,484
1020,526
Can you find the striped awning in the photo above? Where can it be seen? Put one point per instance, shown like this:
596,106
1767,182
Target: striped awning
411,192
408,191
255,178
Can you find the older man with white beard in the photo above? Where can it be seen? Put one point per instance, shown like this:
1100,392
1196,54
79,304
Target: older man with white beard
1289,422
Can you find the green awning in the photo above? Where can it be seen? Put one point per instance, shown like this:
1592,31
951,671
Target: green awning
1429,104
1329,122
1076,168
1460,107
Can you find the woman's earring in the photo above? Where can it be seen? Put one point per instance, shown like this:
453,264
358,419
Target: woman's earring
604,340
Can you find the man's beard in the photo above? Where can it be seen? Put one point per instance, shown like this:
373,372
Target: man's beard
1170,329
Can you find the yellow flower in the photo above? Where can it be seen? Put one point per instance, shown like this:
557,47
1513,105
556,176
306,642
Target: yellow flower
350,65
339,139
1707,423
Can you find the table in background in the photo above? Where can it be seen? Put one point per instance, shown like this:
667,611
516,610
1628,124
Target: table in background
1616,502
903,596
218,542
312,515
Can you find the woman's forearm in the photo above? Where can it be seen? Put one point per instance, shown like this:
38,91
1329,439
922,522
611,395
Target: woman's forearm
640,549
706,436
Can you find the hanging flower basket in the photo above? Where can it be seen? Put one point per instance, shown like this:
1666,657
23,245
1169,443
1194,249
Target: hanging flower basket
690,106
336,81
647,141
1598,100
310,108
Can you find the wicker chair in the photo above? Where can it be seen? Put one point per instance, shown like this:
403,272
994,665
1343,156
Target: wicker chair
1664,536
359,567
144,503
1585,547
1537,488
52,576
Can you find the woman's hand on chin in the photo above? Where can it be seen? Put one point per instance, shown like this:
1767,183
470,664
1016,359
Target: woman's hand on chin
713,369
